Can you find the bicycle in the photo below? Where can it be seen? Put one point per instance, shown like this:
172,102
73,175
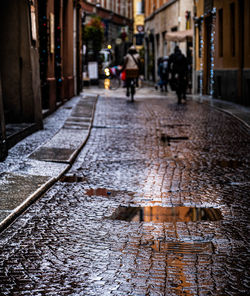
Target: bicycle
131,80
113,75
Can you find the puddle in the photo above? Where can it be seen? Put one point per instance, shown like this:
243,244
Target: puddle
160,214
106,126
182,247
100,192
228,163
240,183
72,179
176,125
168,139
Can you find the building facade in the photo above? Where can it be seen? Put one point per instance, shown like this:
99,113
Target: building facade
161,18
59,25
20,78
139,10
223,49
40,62
117,19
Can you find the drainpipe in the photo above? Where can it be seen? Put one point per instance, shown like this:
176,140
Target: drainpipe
78,50
241,53
3,146
194,82
146,56
74,50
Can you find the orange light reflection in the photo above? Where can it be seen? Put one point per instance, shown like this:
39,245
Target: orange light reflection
107,83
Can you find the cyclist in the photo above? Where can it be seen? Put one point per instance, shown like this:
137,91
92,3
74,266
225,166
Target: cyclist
132,65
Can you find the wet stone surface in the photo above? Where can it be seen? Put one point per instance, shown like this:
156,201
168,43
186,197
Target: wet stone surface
66,243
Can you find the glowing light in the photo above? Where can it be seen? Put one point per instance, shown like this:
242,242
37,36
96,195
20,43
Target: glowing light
107,71
212,41
109,46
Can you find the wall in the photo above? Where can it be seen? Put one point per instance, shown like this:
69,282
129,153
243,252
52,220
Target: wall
138,19
19,64
232,55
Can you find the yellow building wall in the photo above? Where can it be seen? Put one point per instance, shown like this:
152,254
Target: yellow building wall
227,60
138,19
200,12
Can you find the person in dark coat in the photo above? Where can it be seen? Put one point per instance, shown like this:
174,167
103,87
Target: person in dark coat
164,73
179,70
159,61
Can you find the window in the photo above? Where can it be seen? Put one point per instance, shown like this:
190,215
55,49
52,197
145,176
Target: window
142,6
108,4
220,14
232,28
138,7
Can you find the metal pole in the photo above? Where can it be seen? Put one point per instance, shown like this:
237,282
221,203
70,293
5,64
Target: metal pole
3,146
74,50
194,82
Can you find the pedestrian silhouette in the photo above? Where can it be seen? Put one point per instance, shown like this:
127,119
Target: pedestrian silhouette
178,68
163,72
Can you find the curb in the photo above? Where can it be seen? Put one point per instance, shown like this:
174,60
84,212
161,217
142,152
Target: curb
205,101
25,204
46,186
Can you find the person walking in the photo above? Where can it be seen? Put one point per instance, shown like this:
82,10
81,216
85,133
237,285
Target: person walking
131,65
164,73
179,69
158,83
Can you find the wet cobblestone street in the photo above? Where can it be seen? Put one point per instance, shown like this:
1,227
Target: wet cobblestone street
157,203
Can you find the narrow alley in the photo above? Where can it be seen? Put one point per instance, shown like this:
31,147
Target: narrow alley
156,203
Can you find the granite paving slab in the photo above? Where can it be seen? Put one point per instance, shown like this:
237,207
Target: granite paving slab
16,188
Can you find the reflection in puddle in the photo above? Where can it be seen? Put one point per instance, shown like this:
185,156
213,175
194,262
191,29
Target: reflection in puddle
107,83
166,214
181,271
72,179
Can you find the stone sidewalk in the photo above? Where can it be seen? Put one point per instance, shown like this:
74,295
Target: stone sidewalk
37,162
156,203
240,112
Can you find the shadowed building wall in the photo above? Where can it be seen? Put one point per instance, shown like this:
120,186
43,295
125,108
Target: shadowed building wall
19,64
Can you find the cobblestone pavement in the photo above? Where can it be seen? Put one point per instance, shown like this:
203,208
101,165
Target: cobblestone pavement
161,157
